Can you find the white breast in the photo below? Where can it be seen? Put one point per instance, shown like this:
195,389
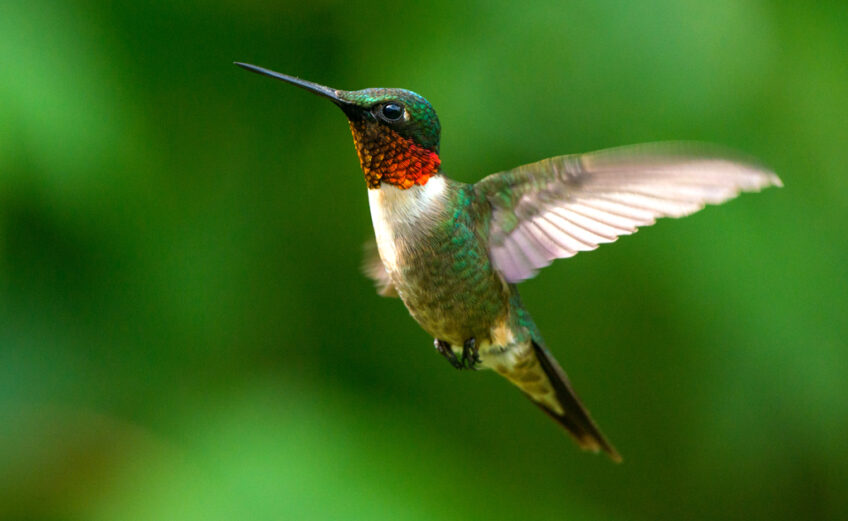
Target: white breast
396,214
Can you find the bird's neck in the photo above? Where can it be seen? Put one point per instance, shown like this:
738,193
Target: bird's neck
398,206
401,217
387,157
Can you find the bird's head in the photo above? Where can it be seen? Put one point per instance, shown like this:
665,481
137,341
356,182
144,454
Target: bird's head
395,131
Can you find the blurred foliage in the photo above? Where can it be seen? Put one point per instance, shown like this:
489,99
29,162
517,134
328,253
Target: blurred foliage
184,332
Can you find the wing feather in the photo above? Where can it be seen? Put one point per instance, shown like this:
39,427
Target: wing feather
563,205
374,269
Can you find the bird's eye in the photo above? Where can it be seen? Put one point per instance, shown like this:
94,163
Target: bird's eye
392,111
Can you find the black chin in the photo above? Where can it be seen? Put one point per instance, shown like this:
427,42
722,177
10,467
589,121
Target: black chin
354,112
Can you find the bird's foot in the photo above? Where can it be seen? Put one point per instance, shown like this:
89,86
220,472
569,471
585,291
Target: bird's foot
470,354
444,349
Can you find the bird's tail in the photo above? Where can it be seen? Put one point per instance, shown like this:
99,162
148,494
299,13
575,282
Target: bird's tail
541,378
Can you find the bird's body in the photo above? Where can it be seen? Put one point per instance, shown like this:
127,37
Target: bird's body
431,242
454,252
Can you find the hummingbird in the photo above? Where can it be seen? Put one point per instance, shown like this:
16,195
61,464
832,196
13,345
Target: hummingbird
455,252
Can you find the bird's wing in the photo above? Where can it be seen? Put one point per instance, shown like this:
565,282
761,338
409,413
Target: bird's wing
373,268
563,205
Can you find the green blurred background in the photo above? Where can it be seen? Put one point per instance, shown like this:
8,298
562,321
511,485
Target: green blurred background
185,334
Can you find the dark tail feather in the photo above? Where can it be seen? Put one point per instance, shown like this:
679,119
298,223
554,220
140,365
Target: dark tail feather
575,418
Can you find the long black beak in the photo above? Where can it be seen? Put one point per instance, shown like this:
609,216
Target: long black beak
327,92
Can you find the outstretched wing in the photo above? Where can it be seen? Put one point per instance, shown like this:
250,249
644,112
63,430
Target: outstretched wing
566,204
373,268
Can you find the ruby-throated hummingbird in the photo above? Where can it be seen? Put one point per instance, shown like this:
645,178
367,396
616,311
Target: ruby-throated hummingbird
454,252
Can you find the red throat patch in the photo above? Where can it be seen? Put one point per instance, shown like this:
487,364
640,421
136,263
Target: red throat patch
387,157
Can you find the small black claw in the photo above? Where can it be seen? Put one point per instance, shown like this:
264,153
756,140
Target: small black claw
445,350
470,354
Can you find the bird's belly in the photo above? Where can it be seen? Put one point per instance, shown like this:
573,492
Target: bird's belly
447,282
450,299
